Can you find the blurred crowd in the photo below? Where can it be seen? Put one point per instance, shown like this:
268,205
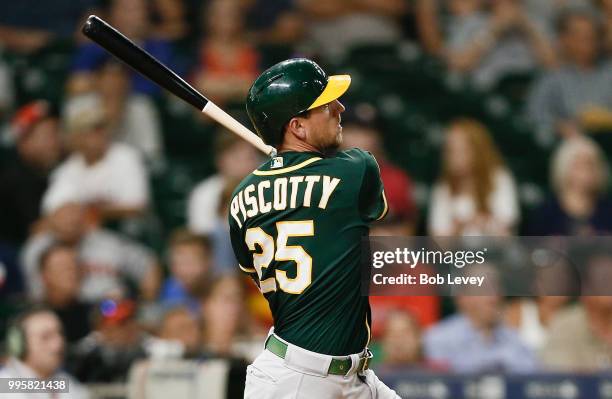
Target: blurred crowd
114,246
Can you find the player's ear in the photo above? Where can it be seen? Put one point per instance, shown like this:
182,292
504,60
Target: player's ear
297,128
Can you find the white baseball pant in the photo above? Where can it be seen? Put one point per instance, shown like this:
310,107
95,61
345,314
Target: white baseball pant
271,377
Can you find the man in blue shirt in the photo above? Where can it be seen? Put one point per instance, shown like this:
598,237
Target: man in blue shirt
476,339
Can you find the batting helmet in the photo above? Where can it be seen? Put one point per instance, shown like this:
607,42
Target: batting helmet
286,90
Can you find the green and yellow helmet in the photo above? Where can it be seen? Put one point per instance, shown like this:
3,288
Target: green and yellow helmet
286,90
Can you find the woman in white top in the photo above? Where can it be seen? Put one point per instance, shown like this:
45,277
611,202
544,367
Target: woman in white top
475,194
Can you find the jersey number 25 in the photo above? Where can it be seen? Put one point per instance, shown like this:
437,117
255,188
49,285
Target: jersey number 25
303,277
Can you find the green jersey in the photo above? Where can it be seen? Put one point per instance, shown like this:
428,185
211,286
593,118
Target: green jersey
296,226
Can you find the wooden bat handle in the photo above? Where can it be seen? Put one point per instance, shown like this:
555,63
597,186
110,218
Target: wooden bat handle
216,113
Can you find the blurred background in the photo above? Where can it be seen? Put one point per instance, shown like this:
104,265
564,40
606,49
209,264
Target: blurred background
488,117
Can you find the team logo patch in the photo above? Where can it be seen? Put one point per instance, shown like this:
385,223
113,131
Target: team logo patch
277,163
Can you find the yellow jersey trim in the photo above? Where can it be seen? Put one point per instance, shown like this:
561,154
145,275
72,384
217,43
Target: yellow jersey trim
246,269
287,169
384,212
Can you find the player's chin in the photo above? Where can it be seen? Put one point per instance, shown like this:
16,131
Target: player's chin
334,146
336,140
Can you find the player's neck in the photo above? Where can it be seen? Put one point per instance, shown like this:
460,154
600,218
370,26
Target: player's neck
299,146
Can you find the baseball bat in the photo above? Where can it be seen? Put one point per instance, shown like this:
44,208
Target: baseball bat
144,63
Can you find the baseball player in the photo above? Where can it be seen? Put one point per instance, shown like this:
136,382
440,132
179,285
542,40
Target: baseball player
296,225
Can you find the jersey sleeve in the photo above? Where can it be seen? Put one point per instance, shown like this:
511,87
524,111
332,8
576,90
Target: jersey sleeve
372,201
241,251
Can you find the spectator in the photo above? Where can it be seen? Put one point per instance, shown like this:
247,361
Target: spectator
554,284
401,219
486,45
579,175
423,305
60,274
190,264
132,117
227,63
224,259
24,40
110,178
179,325
580,337
107,354
23,182
234,159
402,344
605,7
170,18
36,347
531,317
427,19
545,12
130,17
225,320
475,194
476,338
351,23
276,22
108,261
579,94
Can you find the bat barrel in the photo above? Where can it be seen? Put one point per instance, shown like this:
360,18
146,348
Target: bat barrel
138,59
141,61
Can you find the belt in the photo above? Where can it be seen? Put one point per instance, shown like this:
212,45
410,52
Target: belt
336,367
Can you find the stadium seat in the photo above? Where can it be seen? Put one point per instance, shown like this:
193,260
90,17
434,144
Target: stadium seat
42,74
174,378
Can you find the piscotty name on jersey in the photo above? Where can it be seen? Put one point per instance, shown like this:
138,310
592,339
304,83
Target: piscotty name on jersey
251,201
